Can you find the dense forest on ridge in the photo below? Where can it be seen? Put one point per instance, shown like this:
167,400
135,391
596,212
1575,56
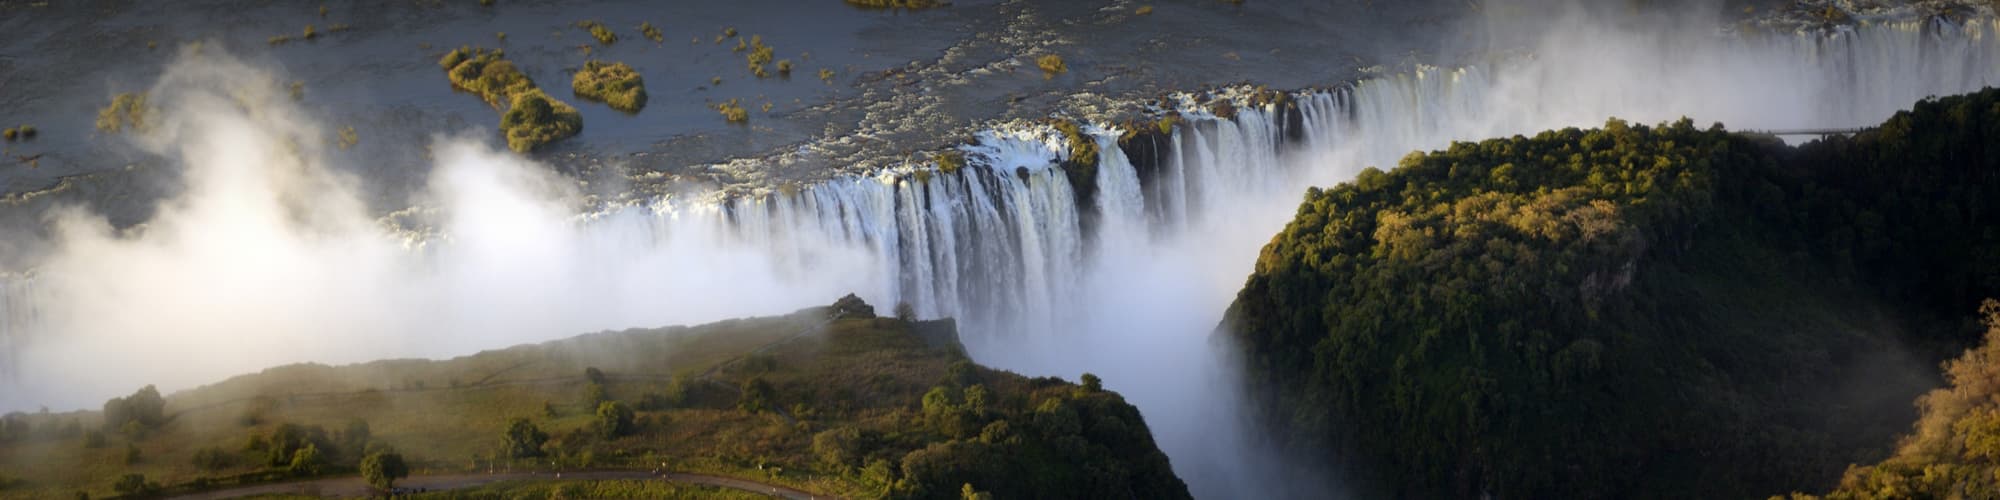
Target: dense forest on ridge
1629,311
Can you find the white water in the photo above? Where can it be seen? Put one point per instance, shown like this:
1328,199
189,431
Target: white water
999,244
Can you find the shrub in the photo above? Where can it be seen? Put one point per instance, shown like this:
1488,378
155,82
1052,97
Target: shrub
306,461
826,75
1144,10
652,33
127,111
950,161
906,312
733,111
784,67
599,31
614,419
615,84
524,439
383,469
1051,65
9,134
535,119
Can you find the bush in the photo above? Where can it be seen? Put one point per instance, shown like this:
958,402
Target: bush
532,118
614,419
383,469
306,461
615,84
599,31
1051,65
126,111
524,439
906,312
536,119
651,32
733,111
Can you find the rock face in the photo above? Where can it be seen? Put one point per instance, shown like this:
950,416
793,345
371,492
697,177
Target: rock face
1627,312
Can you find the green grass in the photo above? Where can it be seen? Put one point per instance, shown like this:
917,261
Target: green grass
532,118
615,84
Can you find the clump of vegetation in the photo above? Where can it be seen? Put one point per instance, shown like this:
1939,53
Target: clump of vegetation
23,132
1052,65
950,161
826,75
1144,10
348,138
309,33
382,469
536,119
732,110
785,67
651,32
532,118
615,84
298,90
599,31
896,4
759,55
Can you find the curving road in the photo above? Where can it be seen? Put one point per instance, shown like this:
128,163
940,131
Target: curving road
347,487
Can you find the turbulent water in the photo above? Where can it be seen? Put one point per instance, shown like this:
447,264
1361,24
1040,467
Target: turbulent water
1130,285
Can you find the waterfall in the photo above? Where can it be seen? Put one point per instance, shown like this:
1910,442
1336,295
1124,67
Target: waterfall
1001,244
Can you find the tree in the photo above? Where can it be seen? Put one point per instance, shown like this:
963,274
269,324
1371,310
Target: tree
306,461
383,469
594,395
614,419
1092,383
906,312
593,374
524,439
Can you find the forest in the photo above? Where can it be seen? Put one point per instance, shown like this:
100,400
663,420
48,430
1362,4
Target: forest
1630,311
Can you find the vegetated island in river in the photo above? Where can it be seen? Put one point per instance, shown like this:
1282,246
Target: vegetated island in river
1638,312
828,400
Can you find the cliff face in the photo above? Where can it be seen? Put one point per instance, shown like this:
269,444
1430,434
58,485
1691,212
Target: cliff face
1628,311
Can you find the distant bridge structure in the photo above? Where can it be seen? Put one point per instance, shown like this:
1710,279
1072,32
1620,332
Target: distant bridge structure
1818,132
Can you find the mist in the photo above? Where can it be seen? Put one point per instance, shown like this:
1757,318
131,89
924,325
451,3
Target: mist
268,256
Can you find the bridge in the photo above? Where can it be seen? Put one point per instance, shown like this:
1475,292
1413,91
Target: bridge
1820,132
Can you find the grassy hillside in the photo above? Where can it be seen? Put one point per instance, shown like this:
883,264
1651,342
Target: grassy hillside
1630,311
831,400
